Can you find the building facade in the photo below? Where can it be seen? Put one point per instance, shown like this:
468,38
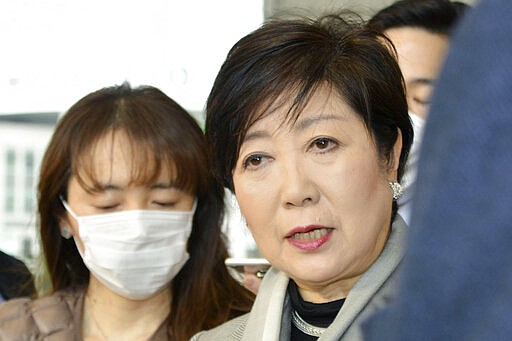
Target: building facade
22,145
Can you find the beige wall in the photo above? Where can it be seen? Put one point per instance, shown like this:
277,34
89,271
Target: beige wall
365,8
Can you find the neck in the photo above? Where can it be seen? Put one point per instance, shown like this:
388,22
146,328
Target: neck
109,316
325,292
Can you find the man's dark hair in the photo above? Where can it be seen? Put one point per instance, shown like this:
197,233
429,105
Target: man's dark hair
435,16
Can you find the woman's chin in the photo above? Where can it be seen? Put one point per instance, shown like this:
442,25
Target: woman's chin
313,278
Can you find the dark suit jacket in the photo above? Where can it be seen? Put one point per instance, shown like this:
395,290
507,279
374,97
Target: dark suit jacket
457,273
15,278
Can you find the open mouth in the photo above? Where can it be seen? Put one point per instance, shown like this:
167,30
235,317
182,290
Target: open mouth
311,235
309,238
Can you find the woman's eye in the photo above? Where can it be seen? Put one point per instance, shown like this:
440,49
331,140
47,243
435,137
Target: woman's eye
106,207
323,144
165,203
254,161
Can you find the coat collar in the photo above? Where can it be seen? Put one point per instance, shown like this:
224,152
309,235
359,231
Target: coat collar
264,322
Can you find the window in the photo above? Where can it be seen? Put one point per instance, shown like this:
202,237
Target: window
29,181
10,180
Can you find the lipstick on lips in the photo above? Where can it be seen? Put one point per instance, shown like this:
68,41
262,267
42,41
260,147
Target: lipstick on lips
309,238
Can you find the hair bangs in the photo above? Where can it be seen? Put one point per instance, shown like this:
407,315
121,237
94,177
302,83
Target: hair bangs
149,159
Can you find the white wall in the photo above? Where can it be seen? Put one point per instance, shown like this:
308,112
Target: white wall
366,8
56,51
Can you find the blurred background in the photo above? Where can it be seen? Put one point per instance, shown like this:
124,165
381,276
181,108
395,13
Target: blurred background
53,52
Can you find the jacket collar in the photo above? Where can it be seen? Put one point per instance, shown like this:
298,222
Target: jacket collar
264,322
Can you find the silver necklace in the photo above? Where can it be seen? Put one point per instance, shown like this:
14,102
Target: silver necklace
305,327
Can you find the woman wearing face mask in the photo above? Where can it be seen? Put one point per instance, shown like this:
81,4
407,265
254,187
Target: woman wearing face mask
130,225
314,152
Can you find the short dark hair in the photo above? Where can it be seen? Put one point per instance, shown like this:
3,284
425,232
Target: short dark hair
292,58
287,61
435,16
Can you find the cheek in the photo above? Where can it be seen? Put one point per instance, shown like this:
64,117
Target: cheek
254,209
74,228
79,243
353,179
257,204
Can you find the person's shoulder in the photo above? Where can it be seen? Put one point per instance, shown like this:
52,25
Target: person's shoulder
230,330
16,280
26,319
9,261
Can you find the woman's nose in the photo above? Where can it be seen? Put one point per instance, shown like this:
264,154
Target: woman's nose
298,187
135,204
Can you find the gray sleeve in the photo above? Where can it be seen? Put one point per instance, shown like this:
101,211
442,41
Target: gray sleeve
232,330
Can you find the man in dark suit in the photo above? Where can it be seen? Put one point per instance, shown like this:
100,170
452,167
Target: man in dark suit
15,278
456,279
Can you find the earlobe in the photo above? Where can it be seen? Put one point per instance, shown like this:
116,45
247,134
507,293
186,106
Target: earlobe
65,232
65,229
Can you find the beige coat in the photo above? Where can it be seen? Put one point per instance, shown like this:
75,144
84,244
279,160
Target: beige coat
53,318
57,317
270,317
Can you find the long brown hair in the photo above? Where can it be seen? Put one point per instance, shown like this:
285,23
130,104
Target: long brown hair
162,134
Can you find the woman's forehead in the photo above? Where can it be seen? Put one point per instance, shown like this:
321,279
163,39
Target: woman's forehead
116,158
323,104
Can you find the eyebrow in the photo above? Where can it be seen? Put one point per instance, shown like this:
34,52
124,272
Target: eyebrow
299,126
256,135
107,187
426,81
164,185
306,123
158,185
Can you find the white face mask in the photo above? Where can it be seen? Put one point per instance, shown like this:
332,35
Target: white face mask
135,253
411,168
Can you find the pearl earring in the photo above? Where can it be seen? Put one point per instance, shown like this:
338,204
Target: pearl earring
65,232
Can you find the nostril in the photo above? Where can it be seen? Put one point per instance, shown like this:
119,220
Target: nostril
307,200
303,202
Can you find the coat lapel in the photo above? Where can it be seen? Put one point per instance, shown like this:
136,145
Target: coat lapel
367,287
264,322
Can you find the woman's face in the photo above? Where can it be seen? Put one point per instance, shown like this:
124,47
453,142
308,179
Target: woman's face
316,195
112,161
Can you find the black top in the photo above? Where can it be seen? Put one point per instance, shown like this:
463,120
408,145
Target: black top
317,314
15,278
